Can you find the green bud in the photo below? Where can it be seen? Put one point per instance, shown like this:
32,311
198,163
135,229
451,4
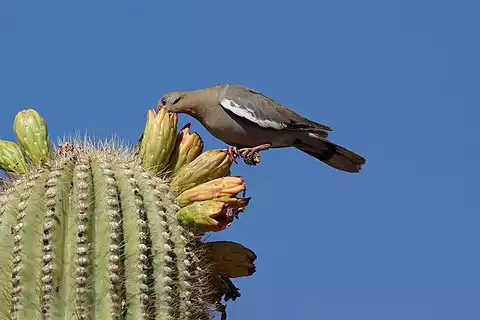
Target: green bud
187,148
158,139
11,157
32,135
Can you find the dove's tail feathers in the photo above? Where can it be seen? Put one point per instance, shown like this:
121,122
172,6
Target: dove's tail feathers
332,154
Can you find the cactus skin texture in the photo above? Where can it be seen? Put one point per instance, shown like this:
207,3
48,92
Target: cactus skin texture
92,233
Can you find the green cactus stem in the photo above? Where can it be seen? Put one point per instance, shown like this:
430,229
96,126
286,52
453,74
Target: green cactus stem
94,236
92,233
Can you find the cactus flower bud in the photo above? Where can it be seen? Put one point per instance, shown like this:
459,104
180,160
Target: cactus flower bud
158,139
210,165
230,259
11,157
187,148
32,134
225,187
211,215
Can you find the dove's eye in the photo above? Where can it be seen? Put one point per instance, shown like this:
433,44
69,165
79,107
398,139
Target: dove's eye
163,101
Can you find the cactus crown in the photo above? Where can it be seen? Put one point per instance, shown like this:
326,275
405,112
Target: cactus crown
100,231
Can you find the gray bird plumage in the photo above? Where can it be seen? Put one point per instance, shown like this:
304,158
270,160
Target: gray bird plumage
245,118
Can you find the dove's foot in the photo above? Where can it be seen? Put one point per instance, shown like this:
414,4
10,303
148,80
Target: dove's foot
232,152
251,156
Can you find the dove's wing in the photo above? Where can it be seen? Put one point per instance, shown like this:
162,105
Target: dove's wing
263,111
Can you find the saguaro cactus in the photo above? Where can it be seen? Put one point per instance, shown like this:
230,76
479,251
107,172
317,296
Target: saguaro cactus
94,230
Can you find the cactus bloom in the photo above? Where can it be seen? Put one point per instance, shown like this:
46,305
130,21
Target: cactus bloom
11,157
187,148
225,187
210,165
32,134
211,215
158,139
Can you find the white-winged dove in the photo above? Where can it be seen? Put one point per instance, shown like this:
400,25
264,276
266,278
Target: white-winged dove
247,119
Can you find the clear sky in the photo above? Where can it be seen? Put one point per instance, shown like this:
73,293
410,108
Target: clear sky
397,80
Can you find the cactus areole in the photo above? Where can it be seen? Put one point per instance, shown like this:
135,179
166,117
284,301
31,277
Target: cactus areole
93,230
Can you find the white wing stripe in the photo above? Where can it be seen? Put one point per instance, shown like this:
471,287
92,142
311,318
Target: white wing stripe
250,115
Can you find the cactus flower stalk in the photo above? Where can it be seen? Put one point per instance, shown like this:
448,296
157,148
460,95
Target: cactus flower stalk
211,164
225,187
32,134
211,215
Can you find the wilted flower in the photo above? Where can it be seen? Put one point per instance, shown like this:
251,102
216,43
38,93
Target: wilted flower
230,259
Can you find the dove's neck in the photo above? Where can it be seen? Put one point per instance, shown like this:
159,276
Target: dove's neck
201,103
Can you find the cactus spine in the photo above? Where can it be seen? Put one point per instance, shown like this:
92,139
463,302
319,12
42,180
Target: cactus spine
91,232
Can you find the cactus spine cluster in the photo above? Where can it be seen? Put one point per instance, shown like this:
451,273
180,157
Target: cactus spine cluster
96,231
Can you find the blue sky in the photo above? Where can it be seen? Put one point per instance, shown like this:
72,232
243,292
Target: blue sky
397,80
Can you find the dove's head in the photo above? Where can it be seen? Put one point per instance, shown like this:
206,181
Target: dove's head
196,103
175,101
